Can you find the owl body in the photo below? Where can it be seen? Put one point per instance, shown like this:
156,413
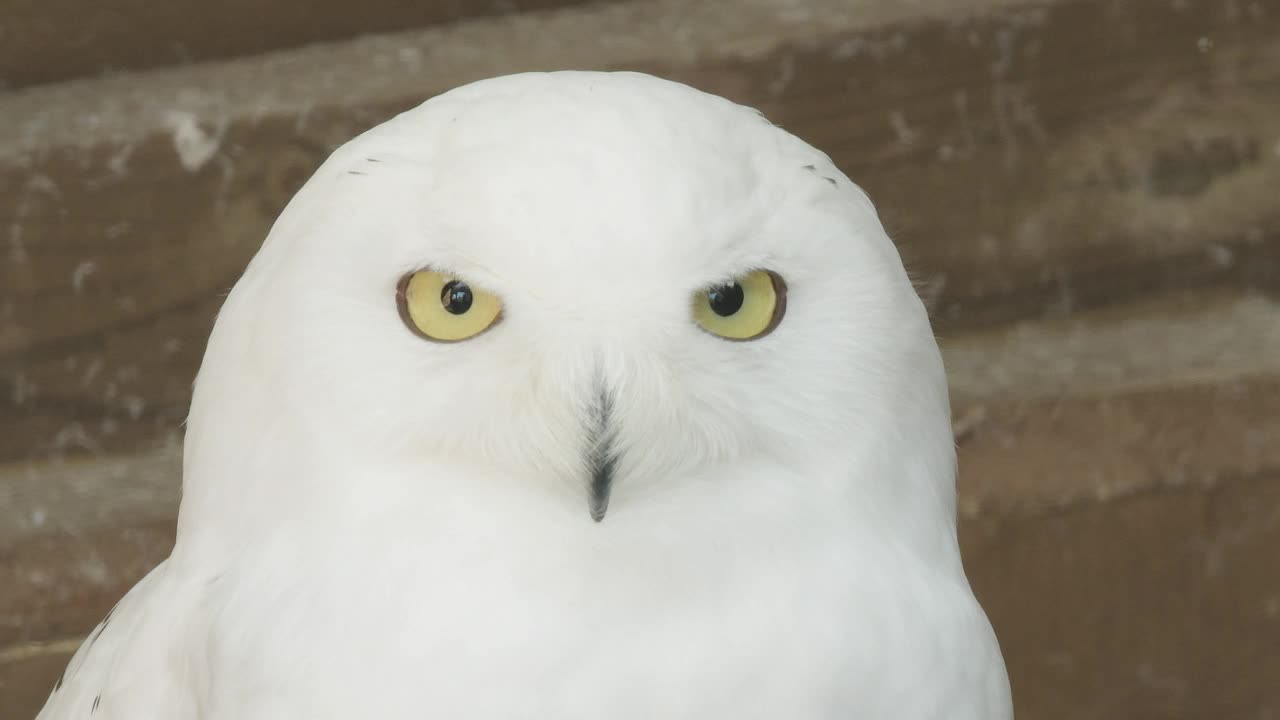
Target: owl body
466,616
666,434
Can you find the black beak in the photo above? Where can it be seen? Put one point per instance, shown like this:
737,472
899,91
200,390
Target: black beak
601,458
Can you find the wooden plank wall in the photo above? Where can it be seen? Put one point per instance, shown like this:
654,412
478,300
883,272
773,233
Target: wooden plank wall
1086,191
54,40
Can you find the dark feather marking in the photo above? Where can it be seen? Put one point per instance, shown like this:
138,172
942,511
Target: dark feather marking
110,612
356,172
96,699
814,169
103,625
602,459
373,159
97,633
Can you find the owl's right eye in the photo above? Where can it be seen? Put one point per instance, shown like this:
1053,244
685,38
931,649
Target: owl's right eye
444,308
747,308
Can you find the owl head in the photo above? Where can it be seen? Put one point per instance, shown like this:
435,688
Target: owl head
595,294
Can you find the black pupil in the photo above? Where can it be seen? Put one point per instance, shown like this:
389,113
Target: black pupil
726,299
456,297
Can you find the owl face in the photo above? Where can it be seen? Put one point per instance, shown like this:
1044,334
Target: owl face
608,285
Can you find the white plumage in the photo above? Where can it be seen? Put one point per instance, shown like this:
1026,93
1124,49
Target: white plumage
376,525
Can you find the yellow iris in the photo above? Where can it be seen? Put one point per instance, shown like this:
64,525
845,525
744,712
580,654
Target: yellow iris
443,308
748,308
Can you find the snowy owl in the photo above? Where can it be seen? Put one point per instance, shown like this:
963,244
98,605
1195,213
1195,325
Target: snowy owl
562,395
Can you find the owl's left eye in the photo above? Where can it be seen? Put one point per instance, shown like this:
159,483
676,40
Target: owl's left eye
444,308
747,308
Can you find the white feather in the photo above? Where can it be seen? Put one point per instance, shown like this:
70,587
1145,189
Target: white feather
378,526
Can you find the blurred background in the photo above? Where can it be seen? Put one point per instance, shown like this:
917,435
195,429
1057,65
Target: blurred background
1088,192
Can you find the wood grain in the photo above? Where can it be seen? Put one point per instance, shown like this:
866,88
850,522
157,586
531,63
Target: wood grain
1158,605
54,40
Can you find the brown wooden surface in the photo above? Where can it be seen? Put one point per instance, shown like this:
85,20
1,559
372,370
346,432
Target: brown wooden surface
1086,191
1161,605
44,41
